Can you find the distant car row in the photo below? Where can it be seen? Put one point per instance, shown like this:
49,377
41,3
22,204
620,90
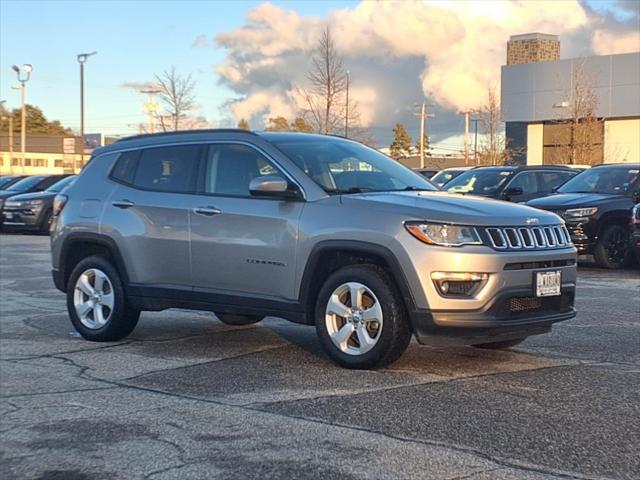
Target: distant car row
26,202
595,203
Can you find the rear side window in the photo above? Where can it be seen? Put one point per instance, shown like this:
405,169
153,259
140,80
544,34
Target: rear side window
125,167
548,181
167,169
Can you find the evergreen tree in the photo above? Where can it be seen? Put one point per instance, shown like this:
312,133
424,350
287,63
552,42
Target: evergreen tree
301,125
243,124
401,145
278,124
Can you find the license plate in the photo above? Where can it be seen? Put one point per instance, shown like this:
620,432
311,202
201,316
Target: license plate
548,284
8,216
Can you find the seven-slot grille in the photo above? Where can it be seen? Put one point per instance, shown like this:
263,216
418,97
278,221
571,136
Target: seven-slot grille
553,236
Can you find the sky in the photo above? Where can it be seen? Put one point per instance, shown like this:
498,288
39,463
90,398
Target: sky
247,57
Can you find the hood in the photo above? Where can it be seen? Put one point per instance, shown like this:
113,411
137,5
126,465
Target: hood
22,197
8,193
452,208
562,201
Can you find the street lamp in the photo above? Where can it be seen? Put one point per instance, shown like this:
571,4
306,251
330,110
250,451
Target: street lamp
82,58
24,74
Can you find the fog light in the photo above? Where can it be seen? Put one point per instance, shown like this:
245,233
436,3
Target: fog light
459,284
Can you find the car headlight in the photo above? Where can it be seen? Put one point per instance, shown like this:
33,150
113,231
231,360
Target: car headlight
33,203
574,213
444,235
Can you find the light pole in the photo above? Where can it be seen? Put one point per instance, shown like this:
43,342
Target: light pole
25,69
82,58
9,118
346,117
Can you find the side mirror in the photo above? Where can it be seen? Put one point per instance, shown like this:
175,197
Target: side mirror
272,186
635,196
512,192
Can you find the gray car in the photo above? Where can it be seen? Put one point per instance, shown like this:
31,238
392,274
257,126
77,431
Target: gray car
315,229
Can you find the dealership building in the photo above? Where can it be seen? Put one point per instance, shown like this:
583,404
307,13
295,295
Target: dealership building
536,100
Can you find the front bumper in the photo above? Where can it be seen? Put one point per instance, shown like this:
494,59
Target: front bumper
582,236
514,313
21,218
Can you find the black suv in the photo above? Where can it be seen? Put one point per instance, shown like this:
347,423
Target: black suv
596,206
512,183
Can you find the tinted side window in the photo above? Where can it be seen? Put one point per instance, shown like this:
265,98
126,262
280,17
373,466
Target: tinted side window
526,181
47,182
167,169
230,168
548,181
125,167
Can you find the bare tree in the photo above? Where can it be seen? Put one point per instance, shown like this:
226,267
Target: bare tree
177,94
582,137
492,148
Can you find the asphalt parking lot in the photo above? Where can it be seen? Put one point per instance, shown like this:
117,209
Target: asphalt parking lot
189,397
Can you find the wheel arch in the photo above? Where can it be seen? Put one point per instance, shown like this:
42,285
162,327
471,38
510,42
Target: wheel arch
81,245
328,256
616,217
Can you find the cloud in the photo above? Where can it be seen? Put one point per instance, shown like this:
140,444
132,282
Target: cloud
446,52
139,85
201,41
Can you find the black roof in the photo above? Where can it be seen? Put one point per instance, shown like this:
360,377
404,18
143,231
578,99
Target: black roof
184,133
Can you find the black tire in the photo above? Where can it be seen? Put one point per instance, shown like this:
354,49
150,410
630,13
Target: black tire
503,345
123,318
231,319
612,249
395,335
45,224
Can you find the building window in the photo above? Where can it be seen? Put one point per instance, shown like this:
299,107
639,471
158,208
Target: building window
15,162
58,163
27,162
584,142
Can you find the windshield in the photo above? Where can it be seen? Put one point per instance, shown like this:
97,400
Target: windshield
342,166
444,176
5,180
26,183
58,186
479,182
612,180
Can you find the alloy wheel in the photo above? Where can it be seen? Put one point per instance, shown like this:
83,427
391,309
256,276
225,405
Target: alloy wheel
93,298
354,318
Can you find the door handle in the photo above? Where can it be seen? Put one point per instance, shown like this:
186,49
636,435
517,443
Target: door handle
208,211
123,203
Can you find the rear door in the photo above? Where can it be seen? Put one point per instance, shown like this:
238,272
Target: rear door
148,213
242,244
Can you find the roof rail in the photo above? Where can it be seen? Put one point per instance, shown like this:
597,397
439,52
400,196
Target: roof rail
183,132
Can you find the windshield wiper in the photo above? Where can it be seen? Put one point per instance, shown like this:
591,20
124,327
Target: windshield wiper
343,191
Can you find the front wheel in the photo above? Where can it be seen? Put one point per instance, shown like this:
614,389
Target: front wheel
360,318
96,301
612,249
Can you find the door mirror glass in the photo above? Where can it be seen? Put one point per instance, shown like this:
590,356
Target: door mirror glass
635,196
271,186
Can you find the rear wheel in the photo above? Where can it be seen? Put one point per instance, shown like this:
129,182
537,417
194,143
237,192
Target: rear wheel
360,318
612,249
231,319
96,302
500,345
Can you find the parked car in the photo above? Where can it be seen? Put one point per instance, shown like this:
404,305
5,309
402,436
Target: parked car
427,173
34,183
316,229
511,183
441,178
33,211
596,206
635,232
7,180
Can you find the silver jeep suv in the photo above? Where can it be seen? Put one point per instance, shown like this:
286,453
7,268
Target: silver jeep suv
316,229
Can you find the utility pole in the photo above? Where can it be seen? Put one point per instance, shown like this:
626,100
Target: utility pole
475,140
9,118
151,108
346,116
466,135
27,69
423,115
